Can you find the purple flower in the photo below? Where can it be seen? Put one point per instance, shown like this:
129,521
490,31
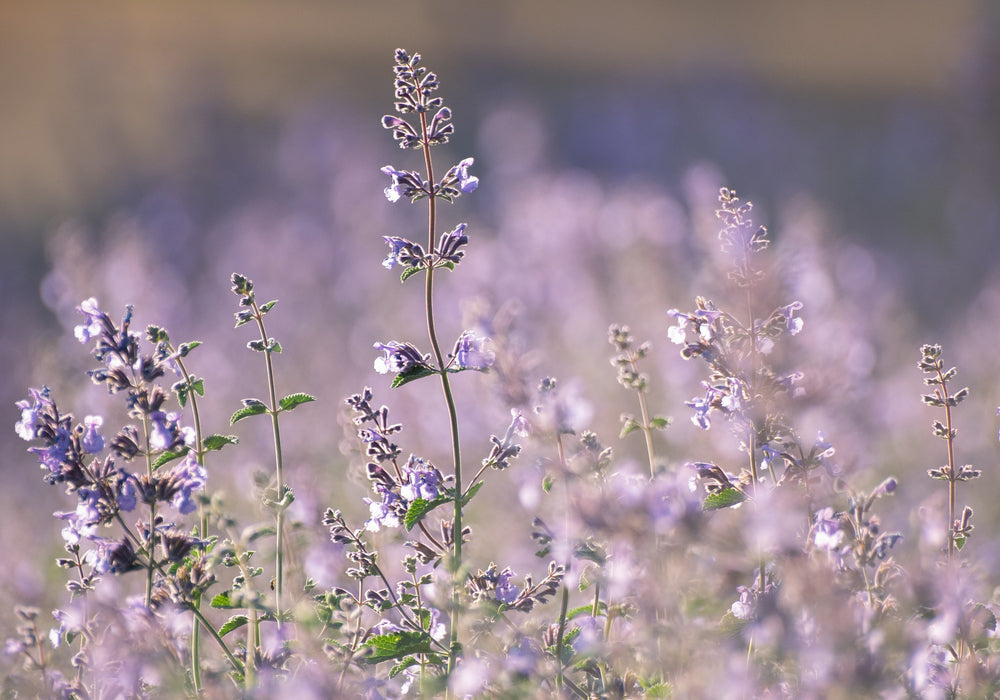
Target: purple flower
27,427
190,477
91,327
92,441
471,352
126,493
54,455
383,513
423,480
827,534
792,323
402,252
507,592
678,334
394,191
165,433
467,183
398,358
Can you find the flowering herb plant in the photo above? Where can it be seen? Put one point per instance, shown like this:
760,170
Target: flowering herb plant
761,570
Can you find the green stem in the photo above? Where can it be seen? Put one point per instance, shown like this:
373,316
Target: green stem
203,531
152,518
456,563
279,516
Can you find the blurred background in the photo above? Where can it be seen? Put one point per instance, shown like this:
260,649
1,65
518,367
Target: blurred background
148,150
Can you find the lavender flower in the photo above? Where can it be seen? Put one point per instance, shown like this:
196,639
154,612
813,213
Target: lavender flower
186,479
507,592
472,352
92,441
421,480
27,427
466,183
384,513
402,252
93,323
399,358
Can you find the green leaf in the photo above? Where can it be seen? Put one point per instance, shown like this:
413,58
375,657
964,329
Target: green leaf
168,457
402,666
727,498
421,507
217,442
413,374
233,623
659,422
251,407
587,610
293,400
185,348
264,308
397,645
473,490
630,425
222,600
548,482
960,542
410,272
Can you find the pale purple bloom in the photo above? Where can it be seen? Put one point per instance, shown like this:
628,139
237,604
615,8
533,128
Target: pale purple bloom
165,433
126,493
91,327
382,512
398,358
395,190
192,478
472,352
92,441
792,322
28,425
827,533
678,334
467,183
397,245
424,480
507,592
53,456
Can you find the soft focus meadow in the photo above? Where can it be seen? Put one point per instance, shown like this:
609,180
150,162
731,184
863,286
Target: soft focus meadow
514,410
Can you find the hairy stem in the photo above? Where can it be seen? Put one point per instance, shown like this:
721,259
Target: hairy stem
279,476
456,563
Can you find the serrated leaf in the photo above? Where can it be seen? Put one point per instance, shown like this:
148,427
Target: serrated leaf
402,666
410,272
251,407
264,308
293,400
222,600
473,490
421,507
960,542
726,498
217,442
412,375
233,623
168,457
396,645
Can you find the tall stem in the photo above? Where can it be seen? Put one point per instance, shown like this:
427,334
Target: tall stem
456,563
203,529
279,516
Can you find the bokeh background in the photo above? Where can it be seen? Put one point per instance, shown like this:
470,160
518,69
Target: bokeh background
148,150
